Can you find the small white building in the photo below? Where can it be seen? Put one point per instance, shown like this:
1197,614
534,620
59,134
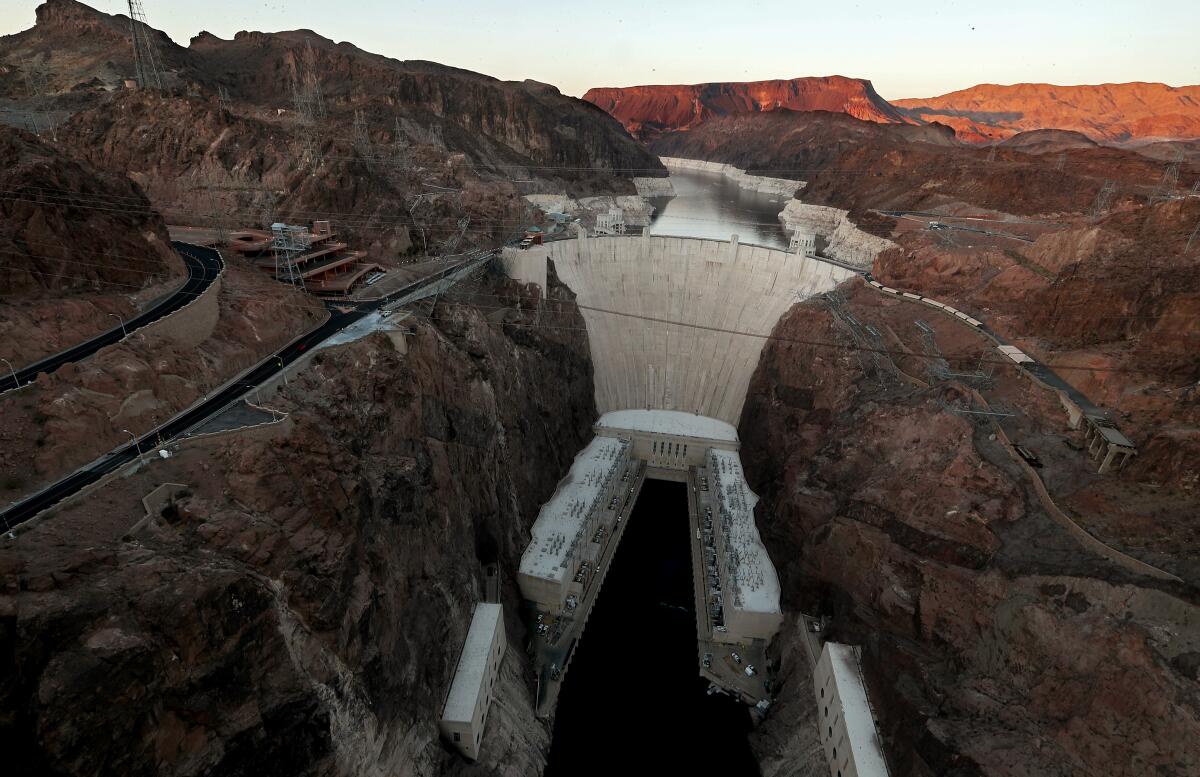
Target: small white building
848,735
465,714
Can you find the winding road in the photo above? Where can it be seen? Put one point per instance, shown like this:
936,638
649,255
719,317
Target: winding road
339,319
204,266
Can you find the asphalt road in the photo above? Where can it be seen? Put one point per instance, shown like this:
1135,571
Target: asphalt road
203,267
266,369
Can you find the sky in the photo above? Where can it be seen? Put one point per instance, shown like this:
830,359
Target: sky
907,49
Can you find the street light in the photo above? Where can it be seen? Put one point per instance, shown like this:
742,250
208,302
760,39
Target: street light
136,444
123,332
16,382
282,370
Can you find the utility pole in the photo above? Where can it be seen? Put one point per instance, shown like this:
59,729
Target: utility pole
145,57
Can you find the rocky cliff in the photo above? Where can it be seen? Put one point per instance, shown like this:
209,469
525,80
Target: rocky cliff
993,644
648,111
1103,112
294,125
296,606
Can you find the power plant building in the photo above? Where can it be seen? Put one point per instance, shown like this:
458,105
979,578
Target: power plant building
562,554
748,583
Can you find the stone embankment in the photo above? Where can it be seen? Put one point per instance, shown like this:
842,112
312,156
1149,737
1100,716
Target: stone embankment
780,187
845,241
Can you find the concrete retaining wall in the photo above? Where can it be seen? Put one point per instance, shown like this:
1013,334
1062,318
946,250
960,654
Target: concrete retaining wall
782,187
726,298
526,266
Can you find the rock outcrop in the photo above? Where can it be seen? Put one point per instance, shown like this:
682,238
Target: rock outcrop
648,111
77,245
298,606
1103,112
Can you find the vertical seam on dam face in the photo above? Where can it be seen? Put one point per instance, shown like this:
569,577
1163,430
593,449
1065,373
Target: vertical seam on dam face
717,285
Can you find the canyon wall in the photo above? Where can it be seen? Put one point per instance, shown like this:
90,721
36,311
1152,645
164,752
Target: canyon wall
647,111
993,644
298,607
678,323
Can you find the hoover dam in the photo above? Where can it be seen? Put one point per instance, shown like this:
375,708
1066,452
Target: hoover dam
675,329
677,323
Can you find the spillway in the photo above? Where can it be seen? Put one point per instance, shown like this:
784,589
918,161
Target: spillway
677,323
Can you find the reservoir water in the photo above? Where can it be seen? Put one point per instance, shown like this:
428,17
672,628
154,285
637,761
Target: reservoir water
709,205
633,701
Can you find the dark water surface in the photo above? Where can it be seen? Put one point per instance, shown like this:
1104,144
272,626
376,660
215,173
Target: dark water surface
709,205
633,702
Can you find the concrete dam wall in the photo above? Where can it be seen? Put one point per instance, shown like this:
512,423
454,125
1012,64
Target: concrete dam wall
678,323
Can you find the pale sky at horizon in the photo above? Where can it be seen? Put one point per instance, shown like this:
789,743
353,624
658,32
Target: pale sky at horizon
914,49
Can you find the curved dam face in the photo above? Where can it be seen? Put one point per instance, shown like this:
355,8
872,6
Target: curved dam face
679,323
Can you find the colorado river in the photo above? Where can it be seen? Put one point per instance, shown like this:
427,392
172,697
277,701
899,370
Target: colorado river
633,701
710,205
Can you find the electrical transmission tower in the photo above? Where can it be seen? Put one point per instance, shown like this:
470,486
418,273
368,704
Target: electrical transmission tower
1170,181
37,121
992,154
223,97
1060,162
309,104
1103,200
145,55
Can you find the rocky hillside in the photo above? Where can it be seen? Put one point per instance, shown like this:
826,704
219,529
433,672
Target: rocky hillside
55,236
75,49
647,111
297,606
77,247
1104,112
293,125
993,643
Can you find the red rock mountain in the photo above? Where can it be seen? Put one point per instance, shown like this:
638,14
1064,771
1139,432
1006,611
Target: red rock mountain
647,111
1103,112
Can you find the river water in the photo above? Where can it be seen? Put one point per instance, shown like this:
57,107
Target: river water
710,205
633,701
